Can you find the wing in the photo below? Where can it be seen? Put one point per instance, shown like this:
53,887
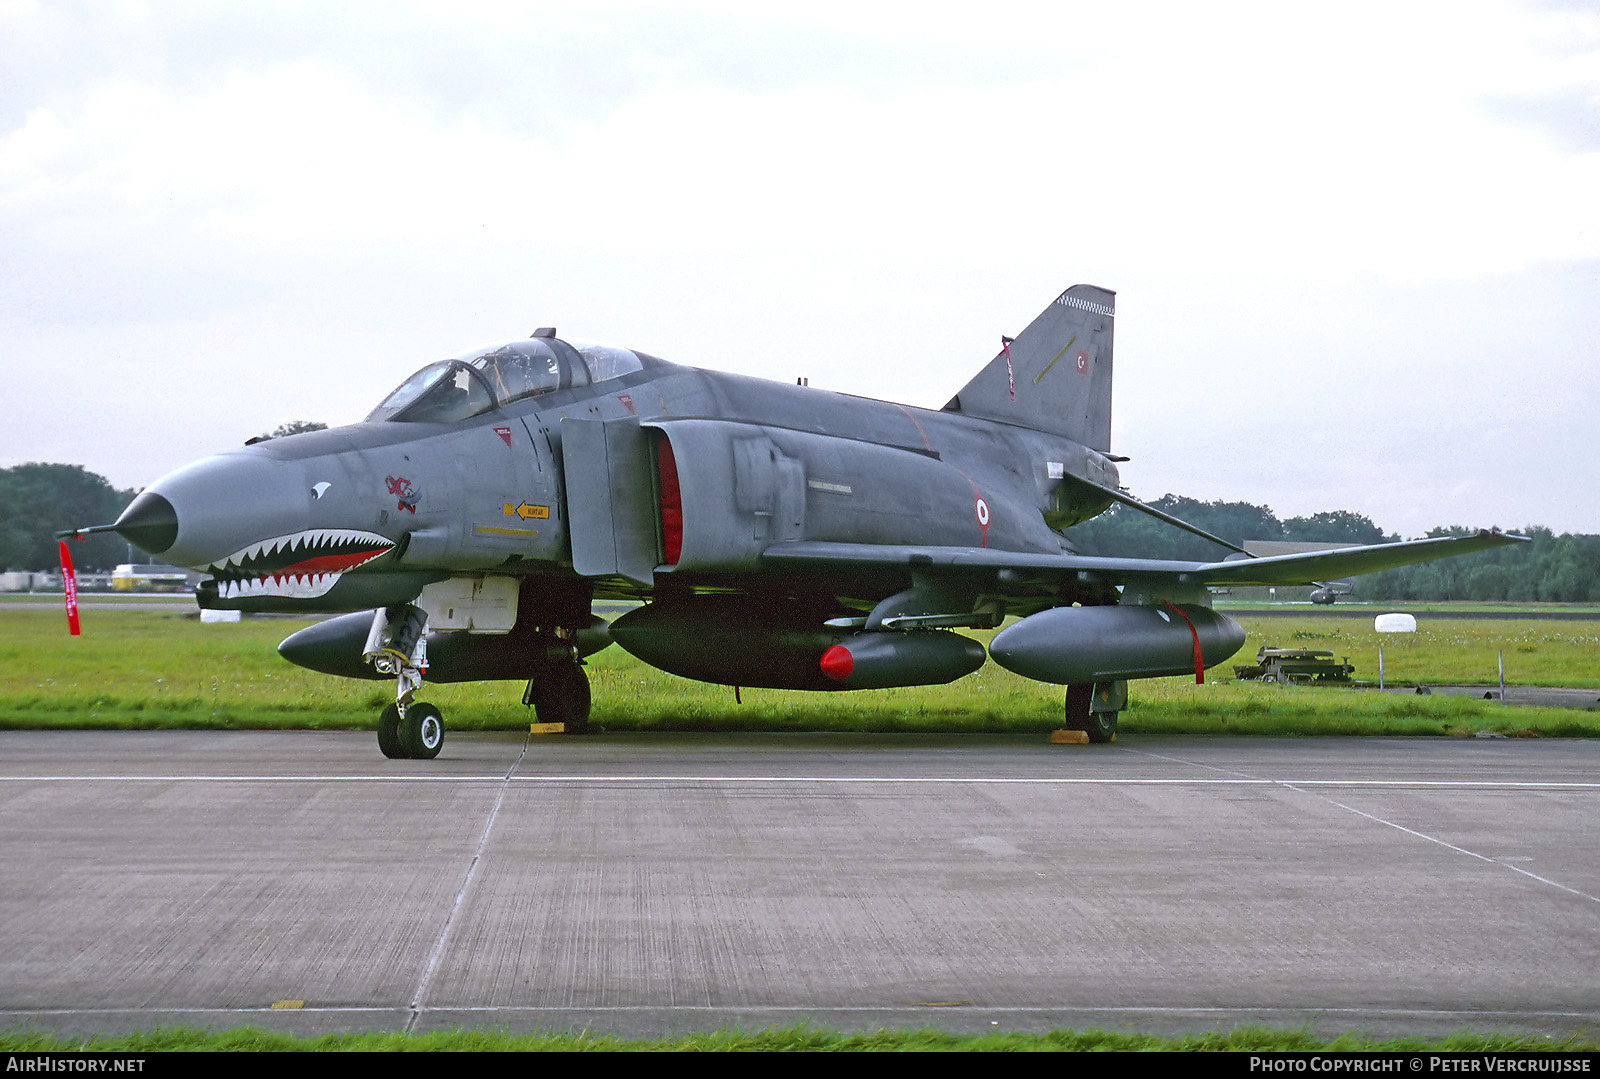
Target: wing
877,567
1315,566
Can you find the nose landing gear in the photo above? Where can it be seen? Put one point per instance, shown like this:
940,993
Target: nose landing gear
397,645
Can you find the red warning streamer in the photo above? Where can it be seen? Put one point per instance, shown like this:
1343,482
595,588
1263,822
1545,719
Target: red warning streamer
1199,661
69,584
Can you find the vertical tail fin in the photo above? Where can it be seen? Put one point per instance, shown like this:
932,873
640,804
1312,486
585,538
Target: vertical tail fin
1056,376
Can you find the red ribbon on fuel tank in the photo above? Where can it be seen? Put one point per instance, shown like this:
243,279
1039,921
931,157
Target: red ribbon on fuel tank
1199,661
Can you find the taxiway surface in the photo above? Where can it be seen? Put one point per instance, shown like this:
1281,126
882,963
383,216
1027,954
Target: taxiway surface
655,884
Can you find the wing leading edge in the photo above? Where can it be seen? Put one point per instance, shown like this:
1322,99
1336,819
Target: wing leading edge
1289,569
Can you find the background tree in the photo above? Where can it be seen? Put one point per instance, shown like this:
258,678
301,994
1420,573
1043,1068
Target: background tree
1337,526
42,498
293,427
1124,531
1550,569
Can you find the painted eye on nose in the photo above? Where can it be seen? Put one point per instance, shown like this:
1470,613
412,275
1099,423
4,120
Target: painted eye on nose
319,489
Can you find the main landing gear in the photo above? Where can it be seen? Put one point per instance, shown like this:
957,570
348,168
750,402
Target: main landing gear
1092,707
560,694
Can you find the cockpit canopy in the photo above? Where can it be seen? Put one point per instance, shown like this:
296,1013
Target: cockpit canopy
489,378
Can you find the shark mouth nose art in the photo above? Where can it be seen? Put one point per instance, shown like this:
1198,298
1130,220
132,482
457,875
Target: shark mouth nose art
302,565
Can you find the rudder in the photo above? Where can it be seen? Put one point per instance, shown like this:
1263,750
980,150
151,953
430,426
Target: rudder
1058,379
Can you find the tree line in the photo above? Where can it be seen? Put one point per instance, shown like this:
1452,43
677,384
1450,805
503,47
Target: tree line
1552,568
37,500
41,498
1125,531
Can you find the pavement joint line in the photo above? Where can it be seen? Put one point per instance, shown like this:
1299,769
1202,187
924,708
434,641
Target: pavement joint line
1460,850
1300,786
419,997
1180,760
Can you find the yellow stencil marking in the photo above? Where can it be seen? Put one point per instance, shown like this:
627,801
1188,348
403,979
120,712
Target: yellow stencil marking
1052,363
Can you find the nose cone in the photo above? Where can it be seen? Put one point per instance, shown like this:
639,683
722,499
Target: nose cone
201,514
149,523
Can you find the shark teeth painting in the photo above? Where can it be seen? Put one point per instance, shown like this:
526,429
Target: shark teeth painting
302,565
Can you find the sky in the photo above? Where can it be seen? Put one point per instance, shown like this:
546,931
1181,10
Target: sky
1356,248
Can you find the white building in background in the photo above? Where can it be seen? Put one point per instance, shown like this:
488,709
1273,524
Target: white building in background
23,580
149,577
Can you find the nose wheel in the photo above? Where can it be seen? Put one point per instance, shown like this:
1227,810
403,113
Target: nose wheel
411,731
389,733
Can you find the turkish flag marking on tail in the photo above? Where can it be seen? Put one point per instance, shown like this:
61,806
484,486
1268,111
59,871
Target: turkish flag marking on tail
1081,360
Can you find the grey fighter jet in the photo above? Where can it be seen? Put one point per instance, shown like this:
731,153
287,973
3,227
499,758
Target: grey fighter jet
779,536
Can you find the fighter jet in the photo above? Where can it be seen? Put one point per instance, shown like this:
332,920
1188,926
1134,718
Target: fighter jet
775,535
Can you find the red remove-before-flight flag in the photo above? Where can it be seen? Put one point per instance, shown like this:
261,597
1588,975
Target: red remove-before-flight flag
69,583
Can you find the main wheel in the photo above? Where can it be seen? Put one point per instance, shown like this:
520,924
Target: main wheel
1099,726
562,696
1102,726
422,731
389,733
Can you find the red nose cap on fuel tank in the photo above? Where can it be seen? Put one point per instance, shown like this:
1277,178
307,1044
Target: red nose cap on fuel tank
837,662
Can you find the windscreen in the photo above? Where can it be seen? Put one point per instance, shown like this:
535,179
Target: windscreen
485,379
442,392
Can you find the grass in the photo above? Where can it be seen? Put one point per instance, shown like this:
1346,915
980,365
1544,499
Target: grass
788,1039
1445,651
156,669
